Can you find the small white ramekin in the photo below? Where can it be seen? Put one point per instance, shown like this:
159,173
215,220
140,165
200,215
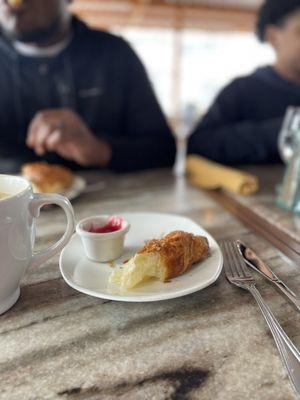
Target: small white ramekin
101,247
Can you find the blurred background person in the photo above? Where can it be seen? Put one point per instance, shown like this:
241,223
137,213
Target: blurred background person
73,95
243,124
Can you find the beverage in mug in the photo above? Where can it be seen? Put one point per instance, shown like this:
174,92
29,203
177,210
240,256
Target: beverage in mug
19,207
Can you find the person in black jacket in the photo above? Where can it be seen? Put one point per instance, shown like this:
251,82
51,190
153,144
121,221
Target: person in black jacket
73,95
243,124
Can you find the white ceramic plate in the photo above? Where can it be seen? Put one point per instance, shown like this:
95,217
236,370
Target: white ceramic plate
92,278
77,187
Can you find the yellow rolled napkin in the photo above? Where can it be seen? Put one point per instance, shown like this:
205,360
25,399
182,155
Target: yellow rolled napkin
209,175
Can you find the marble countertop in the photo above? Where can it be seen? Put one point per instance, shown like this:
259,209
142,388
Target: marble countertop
57,343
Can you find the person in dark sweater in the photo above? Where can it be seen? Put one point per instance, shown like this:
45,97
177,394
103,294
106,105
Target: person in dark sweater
243,124
73,95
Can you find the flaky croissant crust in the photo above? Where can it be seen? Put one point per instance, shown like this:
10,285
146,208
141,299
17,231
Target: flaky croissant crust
179,251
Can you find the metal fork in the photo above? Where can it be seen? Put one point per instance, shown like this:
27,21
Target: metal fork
237,273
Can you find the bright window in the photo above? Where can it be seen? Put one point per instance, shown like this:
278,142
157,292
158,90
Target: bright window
209,61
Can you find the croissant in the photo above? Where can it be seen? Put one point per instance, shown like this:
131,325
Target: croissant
164,259
47,178
15,3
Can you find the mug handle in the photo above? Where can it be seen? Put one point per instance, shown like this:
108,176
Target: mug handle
35,205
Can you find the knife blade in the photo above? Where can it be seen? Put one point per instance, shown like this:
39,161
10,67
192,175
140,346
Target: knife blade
253,260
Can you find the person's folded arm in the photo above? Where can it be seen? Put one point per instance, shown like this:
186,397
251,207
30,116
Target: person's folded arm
223,137
242,142
146,141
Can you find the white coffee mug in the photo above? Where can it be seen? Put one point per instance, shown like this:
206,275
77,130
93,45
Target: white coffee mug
18,212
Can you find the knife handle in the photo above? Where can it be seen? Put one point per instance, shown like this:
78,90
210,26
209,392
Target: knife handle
288,293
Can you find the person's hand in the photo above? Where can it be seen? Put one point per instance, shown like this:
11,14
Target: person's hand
64,132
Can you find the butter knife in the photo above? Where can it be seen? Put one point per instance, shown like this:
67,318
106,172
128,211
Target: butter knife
252,259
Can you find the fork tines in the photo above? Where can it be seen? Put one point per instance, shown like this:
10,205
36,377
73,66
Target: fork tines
234,264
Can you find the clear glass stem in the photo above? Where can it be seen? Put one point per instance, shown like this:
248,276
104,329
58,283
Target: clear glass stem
180,163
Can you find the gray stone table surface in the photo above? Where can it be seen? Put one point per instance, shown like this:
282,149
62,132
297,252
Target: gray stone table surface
57,343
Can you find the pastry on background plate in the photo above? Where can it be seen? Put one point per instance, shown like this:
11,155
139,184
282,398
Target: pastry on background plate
48,178
15,3
163,259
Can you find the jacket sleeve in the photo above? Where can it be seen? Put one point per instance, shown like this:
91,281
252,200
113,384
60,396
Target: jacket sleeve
223,136
146,141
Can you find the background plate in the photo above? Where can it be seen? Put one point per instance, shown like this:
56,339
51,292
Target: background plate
78,186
